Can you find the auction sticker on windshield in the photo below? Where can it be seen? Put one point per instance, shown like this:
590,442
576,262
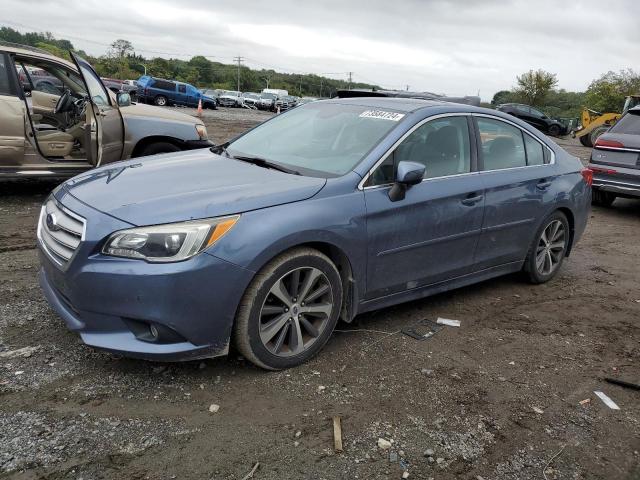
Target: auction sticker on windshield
393,116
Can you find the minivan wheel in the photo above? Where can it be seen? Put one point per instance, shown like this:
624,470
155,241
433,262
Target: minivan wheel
289,310
160,101
548,249
602,198
158,147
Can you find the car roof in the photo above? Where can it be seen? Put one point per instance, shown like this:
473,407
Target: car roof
33,52
400,104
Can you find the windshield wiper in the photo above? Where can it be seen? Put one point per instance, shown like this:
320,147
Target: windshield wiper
261,162
222,148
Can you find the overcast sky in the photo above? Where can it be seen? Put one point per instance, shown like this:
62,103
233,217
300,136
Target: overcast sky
445,46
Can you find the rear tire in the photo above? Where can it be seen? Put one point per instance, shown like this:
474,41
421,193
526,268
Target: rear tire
585,140
554,130
597,132
274,329
548,249
602,198
157,148
160,101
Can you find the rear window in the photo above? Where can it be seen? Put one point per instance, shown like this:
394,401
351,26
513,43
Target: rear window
163,84
629,123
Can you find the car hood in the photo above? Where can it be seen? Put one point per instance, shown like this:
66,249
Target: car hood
183,186
142,110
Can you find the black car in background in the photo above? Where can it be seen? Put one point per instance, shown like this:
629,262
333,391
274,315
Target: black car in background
535,118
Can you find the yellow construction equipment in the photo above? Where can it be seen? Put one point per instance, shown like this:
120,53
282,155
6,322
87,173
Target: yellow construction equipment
593,124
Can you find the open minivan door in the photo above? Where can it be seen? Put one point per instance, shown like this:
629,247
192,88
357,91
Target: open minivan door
105,127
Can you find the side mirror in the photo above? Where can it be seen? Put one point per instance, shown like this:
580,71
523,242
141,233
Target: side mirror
26,88
407,175
124,99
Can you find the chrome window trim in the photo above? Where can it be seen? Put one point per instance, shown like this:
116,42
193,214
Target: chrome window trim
552,157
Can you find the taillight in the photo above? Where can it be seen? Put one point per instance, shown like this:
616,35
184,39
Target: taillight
608,143
608,171
587,174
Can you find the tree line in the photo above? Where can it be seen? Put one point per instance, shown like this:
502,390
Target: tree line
535,87
121,61
538,88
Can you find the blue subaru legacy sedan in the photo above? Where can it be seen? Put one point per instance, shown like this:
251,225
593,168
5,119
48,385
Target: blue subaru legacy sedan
332,209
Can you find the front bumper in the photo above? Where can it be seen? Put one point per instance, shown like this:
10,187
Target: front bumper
101,297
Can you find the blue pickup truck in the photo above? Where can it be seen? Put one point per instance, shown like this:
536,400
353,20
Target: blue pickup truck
161,92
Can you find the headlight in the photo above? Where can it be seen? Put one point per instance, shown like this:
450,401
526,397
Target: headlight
201,130
168,243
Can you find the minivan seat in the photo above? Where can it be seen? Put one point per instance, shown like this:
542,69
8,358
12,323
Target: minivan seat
55,143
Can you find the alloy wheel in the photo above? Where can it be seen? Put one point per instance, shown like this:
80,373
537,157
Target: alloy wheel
296,311
551,246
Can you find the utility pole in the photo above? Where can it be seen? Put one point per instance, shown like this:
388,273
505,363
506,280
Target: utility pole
350,77
238,59
407,88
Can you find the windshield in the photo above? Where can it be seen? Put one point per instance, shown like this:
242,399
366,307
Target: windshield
269,96
318,139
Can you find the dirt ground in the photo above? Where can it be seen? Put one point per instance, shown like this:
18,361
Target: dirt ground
507,395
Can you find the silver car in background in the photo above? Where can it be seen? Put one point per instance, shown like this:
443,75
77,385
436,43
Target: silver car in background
615,161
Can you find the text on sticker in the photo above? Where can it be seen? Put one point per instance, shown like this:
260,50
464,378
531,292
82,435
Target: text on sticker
393,116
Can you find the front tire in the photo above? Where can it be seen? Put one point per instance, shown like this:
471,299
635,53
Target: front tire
585,140
289,310
158,147
554,130
548,249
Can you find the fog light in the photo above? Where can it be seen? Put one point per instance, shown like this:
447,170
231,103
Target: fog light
154,331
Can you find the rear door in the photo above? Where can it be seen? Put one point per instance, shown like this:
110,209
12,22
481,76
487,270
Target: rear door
107,127
517,179
181,97
12,118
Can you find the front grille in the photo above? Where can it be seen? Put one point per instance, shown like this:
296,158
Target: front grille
60,232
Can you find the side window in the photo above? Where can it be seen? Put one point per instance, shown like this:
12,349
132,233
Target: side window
182,88
441,145
97,91
5,85
502,144
535,151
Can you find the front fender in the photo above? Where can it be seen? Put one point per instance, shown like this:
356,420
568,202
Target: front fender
336,221
137,128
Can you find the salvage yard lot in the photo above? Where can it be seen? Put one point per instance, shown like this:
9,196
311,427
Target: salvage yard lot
496,398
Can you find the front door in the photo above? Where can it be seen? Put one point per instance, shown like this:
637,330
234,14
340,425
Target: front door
431,234
516,178
105,125
12,118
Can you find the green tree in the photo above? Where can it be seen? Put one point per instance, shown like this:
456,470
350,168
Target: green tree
607,93
503,96
534,85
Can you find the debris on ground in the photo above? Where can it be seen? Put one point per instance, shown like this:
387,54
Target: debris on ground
213,408
448,322
607,401
24,352
384,444
253,470
337,434
622,383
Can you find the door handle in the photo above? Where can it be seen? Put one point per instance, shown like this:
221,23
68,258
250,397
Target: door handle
543,184
472,199
101,113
